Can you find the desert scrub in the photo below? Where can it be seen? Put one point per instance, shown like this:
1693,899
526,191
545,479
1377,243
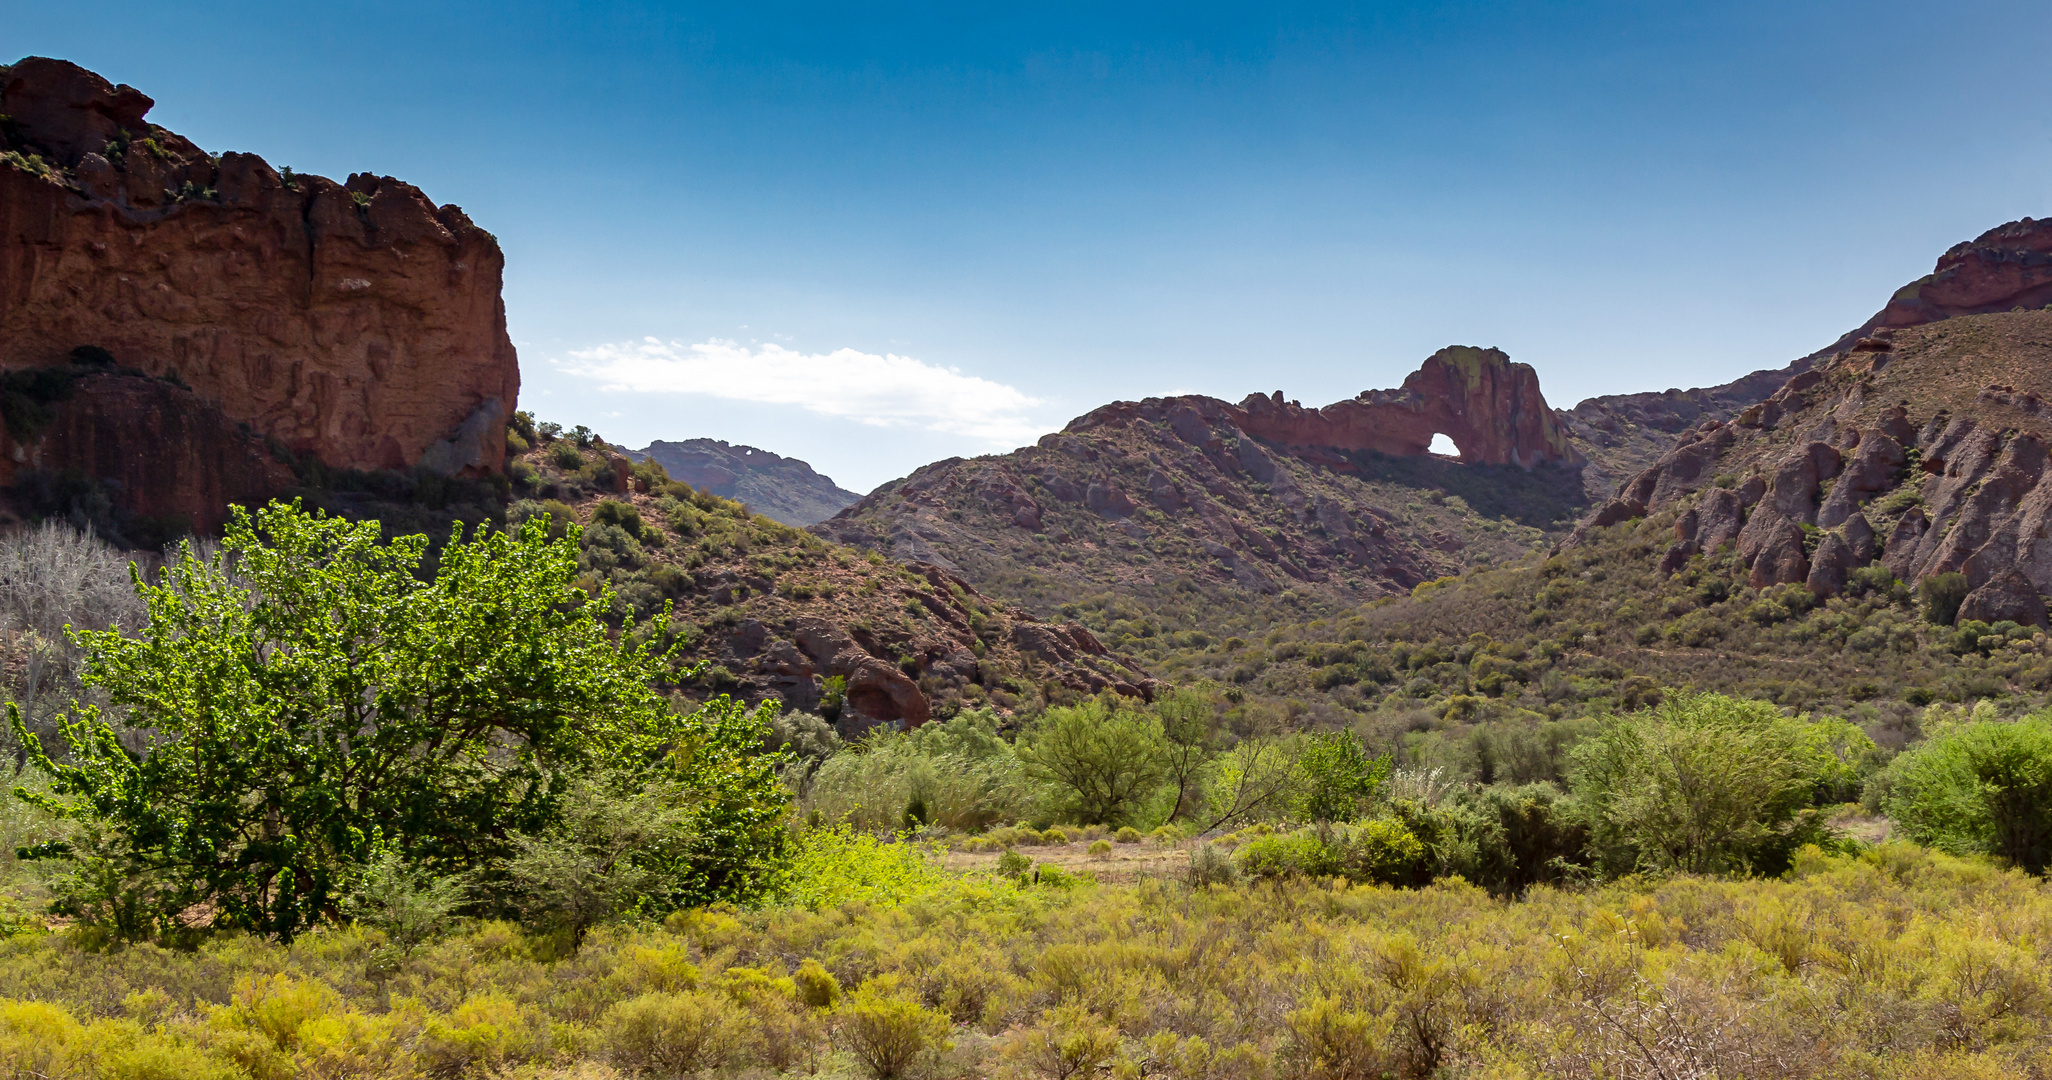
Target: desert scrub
1897,962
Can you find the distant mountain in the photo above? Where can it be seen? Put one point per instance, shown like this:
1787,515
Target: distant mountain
1200,512
780,488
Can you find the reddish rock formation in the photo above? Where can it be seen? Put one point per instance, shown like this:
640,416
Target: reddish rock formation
2009,596
1929,430
2004,268
358,323
1490,408
173,456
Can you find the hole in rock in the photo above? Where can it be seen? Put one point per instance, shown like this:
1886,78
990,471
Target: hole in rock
1441,444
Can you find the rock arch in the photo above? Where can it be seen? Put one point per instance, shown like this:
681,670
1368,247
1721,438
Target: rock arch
1489,407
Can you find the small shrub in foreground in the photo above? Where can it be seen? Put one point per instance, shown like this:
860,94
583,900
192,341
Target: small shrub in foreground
887,1031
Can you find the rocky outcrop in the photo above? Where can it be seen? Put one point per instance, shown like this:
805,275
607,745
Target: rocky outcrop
783,489
1490,407
2007,267
356,323
1920,443
2009,595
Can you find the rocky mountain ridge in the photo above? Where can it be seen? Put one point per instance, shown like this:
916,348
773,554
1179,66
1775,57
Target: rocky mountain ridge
783,489
1919,442
250,318
1250,502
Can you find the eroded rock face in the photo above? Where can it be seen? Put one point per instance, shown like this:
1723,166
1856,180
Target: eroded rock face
2006,267
1257,498
358,322
1490,407
1921,443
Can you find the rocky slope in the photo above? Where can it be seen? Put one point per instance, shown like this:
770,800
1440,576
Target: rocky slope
1212,508
1920,444
782,614
783,489
246,314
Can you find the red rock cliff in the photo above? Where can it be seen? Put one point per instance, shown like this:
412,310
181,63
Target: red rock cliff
1490,408
2007,267
356,322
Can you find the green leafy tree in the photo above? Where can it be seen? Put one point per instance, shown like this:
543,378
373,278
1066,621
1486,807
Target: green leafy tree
1983,787
305,695
1942,594
1191,742
1705,783
1338,777
1105,758
708,826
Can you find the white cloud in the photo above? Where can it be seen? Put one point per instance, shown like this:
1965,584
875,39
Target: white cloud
884,391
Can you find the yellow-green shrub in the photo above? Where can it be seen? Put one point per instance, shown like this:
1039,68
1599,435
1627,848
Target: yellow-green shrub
887,1031
676,1034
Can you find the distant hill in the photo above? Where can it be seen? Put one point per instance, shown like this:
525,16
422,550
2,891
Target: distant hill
785,490
779,613
1198,513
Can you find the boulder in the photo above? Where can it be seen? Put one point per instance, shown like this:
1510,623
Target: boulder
1678,556
1772,545
1872,469
1901,550
1719,518
1793,492
879,695
1106,500
1859,538
2009,595
1834,560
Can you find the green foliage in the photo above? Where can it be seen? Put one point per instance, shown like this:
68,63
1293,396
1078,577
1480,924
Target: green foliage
837,865
1524,836
617,513
1210,865
305,693
410,905
1706,783
708,827
959,772
1982,787
1380,850
566,455
1668,976
1104,757
1941,596
1339,779
888,1031
674,1034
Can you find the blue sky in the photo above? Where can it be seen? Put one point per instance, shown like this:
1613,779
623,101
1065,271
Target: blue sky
873,238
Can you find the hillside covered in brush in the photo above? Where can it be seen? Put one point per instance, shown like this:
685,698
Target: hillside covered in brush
1214,516
779,613
1866,541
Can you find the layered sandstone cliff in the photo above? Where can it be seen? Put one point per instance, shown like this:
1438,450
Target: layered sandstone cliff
356,323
